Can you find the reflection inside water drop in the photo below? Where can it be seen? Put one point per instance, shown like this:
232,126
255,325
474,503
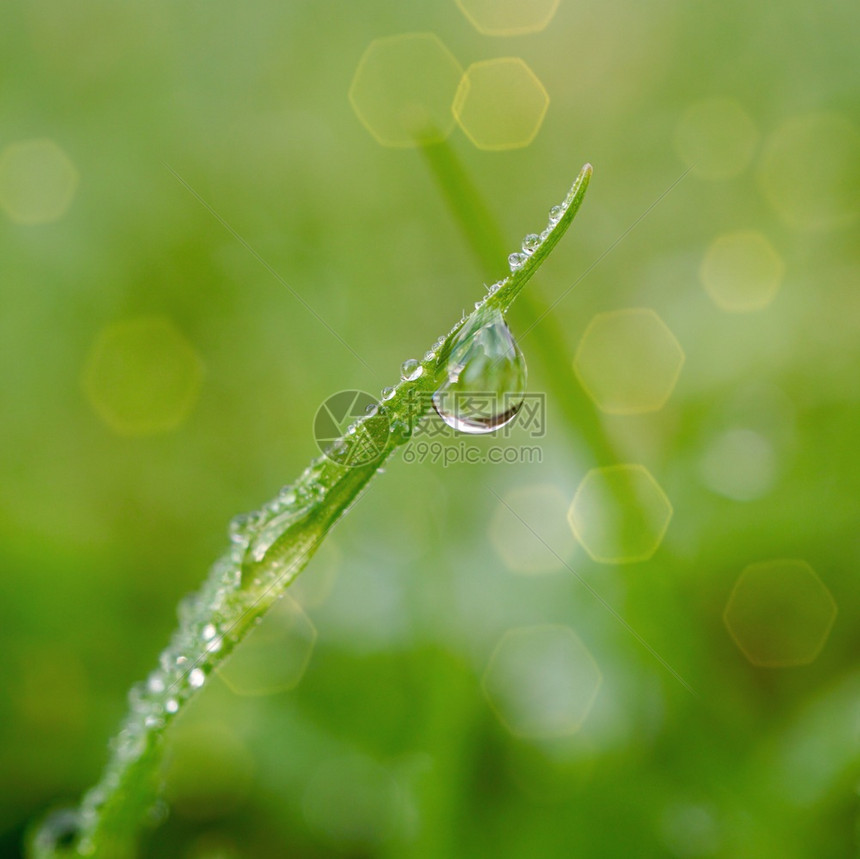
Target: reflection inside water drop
486,378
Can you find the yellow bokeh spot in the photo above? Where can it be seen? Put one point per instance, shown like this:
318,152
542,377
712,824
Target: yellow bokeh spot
543,508
810,172
403,89
628,361
742,271
541,681
274,656
142,376
739,464
37,181
500,104
619,514
508,17
780,613
716,138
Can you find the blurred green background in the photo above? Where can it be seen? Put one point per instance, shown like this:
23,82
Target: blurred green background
440,684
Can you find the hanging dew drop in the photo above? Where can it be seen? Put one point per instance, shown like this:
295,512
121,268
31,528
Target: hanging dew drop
411,370
486,378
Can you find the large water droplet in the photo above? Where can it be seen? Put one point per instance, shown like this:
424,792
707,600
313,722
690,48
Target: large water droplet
486,378
410,370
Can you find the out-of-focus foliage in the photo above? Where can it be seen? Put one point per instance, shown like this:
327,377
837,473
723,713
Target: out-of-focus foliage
116,485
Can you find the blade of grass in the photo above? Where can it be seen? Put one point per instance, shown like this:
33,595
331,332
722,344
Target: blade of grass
268,549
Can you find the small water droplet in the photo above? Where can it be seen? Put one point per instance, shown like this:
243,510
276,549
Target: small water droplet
240,526
287,496
555,214
372,409
410,370
401,430
531,243
209,632
59,831
517,261
196,678
439,343
429,356
486,378
155,684
388,393
172,705
215,645
496,287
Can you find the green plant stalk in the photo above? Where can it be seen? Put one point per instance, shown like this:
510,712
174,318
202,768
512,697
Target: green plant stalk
487,243
268,549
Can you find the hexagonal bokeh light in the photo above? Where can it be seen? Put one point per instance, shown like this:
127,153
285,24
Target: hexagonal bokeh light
274,656
620,514
541,681
37,181
508,17
741,271
403,89
808,171
142,376
628,361
500,104
780,613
